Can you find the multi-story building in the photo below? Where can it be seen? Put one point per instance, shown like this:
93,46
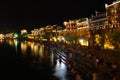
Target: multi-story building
82,26
71,27
9,35
99,21
113,13
77,27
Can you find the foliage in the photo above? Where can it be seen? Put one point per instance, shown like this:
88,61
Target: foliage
73,39
114,37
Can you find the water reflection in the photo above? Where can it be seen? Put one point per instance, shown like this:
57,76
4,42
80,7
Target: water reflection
23,47
41,51
37,49
60,70
15,43
10,42
1,40
38,57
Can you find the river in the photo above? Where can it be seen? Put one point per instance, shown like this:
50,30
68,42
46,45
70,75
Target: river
29,60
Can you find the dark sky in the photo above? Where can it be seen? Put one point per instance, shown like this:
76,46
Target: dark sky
34,14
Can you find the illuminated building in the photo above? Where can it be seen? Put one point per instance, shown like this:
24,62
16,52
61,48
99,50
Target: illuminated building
82,23
99,21
24,33
1,36
9,35
77,27
48,28
82,26
113,13
70,25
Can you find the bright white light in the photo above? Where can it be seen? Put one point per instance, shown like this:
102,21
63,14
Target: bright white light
63,38
58,38
23,31
81,40
60,70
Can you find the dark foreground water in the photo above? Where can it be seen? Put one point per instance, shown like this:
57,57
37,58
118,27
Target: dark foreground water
29,60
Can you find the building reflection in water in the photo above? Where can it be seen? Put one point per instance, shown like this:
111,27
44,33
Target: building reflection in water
10,42
32,47
39,54
1,40
37,49
13,43
23,47
16,44
41,51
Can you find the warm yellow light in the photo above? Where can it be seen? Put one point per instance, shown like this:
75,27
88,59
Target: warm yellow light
97,39
41,51
23,48
1,36
23,31
35,49
107,45
83,42
54,38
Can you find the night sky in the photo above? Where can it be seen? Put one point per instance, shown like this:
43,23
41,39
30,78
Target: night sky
35,14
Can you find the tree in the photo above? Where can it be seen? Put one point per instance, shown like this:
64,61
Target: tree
73,39
114,37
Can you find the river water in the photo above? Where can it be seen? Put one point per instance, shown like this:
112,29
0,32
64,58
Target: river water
29,60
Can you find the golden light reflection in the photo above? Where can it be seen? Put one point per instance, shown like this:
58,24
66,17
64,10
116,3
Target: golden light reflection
1,40
10,42
23,47
32,45
35,49
41,51
29,43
